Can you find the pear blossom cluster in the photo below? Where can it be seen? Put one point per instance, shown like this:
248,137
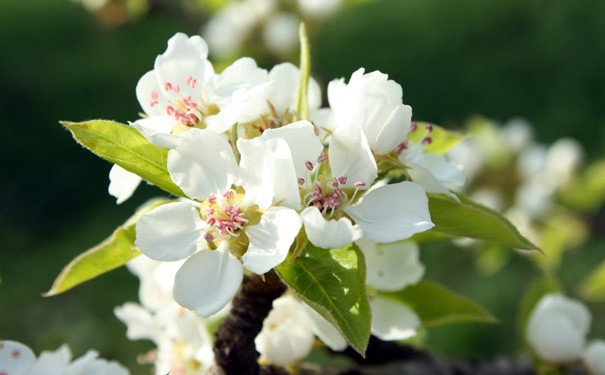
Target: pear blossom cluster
261,180
18,359
557,328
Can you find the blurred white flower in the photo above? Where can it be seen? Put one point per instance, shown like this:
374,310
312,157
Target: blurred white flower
557,328
18,359
280,33
594,357
319,8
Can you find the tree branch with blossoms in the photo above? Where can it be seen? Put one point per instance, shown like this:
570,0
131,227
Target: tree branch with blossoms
328,210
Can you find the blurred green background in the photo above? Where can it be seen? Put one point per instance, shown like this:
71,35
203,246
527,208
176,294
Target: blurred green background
542,60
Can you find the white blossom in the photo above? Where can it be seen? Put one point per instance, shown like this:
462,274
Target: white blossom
594,357
557,328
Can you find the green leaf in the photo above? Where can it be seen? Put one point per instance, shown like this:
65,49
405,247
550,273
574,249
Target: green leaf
332,282
442,139
125,146
435,305
593,287
544,285
112,253
469,219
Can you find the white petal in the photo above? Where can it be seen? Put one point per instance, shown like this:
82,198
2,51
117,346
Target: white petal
157,130
147,85
122,183
139,322
329,234
350,156
208,280
425,178
242,74
202,164
392,320
48,361
271,239
170,232
184,57
594,357
323,329
447,172
15,358
391,267
267,172
394,130
283,95
555,304
302,141
392,212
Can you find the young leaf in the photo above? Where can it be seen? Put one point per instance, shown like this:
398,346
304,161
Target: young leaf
435,305
112,253
469,219
125,146
332,282
441,139
544,285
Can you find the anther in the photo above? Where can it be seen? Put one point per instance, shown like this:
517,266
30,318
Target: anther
413,126
321,158
301,181
342,180
167,86
309,165
427,141
211,199
429,128
209,237
359,183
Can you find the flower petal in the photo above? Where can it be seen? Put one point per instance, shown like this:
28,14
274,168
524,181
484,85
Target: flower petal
350,156
208,280
15,358
202,164
393,266
392,212
302,141
427,180
122,183
329,234
283,95
139,322
323,329
392,320
267,172
271,239
394,130
157,130
170,232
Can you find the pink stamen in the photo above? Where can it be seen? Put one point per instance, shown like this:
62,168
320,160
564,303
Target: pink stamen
342,180
321,158
399,149
301,181
359,183
413,126
209,237
191,82
170,110
334,182
227,195
427,141
429,128
176,88
154,98
16,353
167,86
309,165
211,199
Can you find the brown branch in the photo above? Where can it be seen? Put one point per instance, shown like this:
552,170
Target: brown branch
234,350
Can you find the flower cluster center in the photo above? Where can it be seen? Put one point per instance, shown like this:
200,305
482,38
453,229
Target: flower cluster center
224,215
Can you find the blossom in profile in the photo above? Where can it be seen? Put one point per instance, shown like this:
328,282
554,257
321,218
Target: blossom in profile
18,359
557,328
289,332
